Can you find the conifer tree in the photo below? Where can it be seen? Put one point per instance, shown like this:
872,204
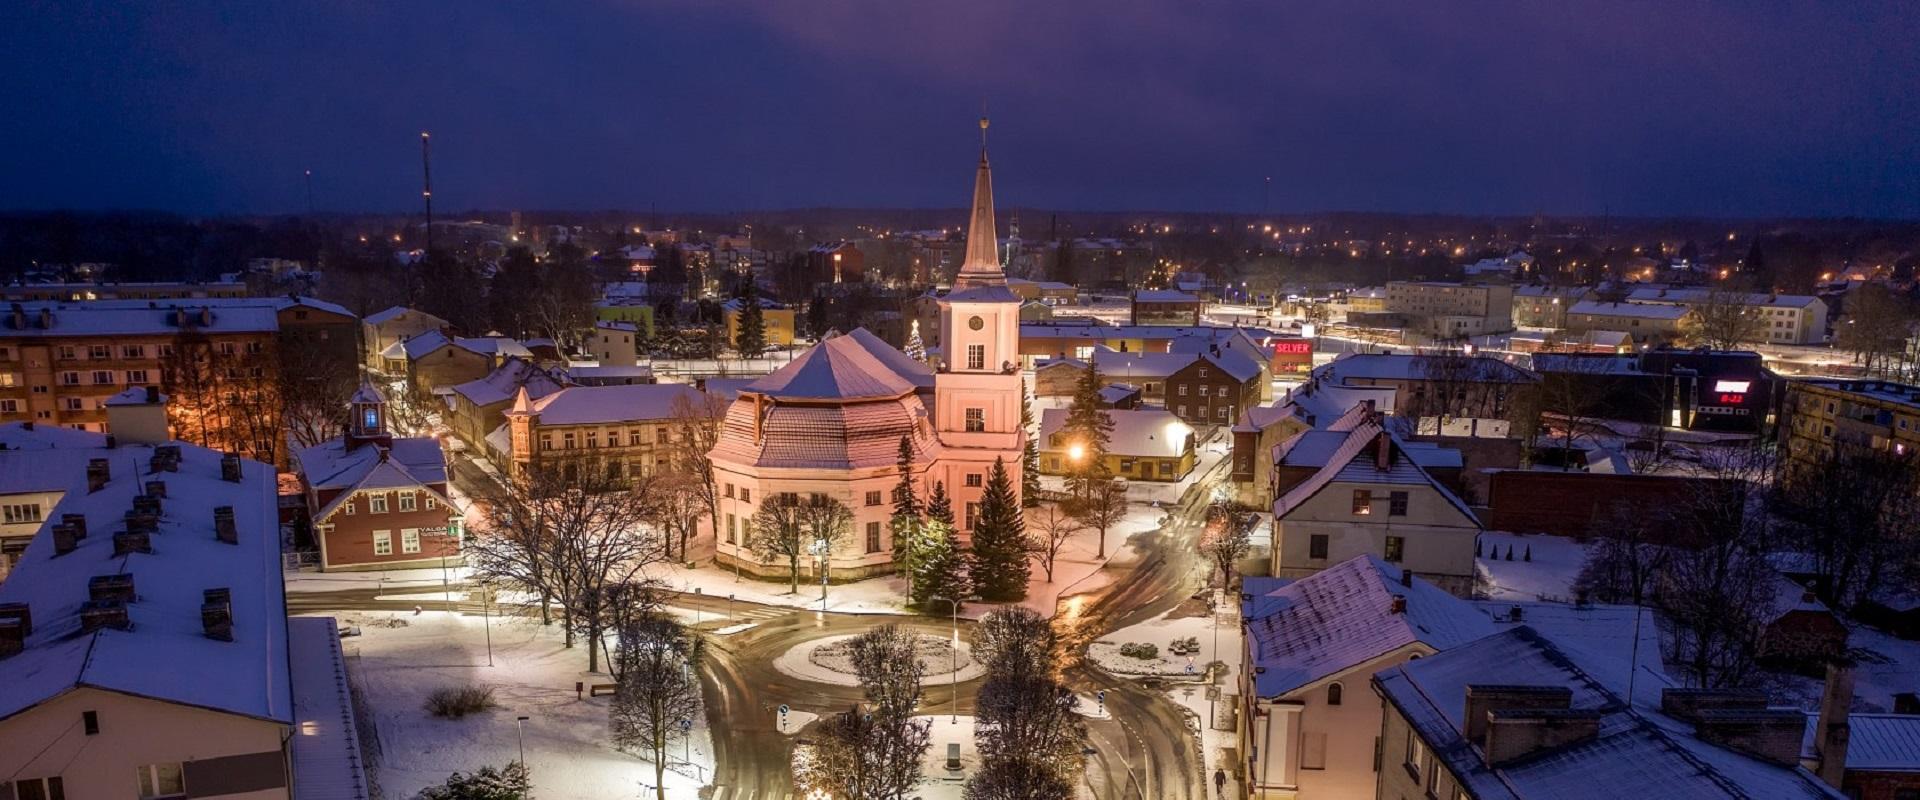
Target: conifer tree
939,506
940,568
907,524
750,338
999,565
1089,428
915,349
1029,457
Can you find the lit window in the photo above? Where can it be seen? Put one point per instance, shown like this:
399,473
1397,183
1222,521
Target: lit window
407,501
1362,502
1396,548
161,781
383,543
16,513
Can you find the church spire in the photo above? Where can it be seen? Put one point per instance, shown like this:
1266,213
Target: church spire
982,265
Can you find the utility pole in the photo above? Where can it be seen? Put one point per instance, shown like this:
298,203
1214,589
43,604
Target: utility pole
309,194
1266,202
426,186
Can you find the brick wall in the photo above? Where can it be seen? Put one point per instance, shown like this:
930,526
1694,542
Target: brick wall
1566,503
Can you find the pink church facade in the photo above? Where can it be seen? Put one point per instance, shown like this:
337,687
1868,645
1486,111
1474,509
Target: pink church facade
831,422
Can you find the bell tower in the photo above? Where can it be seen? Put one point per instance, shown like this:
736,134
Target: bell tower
367,418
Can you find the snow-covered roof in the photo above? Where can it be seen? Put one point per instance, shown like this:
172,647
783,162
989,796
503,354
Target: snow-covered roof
851,366
1404,367
143,317
165,654
396,312
367,394
1131,365
1137,432
990,293
406,464
1342,617
1654,294
1637,752
418,347
500,385
326,746
847,435
498,345
1087,328
1259,418
1629,310
1883,742
589,405
738,303
1354,461
134,396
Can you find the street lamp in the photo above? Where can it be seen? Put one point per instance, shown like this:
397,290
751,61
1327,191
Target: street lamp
954,649
519,727
820,553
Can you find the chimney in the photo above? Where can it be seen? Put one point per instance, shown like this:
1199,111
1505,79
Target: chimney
216,614
1406,577
132,541
1689,703
112,442
118,588
153,394
146,505
19,317
46,318
1399,604
1831,733
223,526
1382,452
78,522
65,539
1482,699
103,614
1771,734
13,637
230,468
157,489
1514,734
98,473
20,613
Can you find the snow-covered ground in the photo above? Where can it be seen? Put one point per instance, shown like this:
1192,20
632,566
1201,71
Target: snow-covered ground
1188,620
805,662
398,580
568,745
1548,575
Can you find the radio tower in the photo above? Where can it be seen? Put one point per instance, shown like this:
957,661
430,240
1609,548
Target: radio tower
426,186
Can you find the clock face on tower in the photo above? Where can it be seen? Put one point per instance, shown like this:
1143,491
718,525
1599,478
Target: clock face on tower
976,323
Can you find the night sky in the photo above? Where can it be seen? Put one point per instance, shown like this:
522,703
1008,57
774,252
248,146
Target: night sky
1671,107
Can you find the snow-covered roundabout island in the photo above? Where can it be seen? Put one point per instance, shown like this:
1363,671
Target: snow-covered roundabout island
830,660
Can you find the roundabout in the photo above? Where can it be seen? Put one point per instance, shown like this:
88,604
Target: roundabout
829,660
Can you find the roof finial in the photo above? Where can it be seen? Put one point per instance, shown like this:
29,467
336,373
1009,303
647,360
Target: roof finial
983,130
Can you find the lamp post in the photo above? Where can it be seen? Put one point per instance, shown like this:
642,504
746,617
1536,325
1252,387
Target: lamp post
954,649
486,618
820,555
697,594
519,727
729,609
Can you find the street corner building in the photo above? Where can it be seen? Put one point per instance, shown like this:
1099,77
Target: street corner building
377,502
830,423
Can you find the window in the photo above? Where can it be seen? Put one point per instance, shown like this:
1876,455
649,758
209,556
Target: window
546,441
70,378
1396,548
161,780
1317,545
976,356
10,406
67,353
103,376
377,504
21,512
1183,390
1221,412
407,501
973,512
137,376
566,440
733,528
39,789
976,420
431,504
873,498
226,349
1333,694
409,540
659,435
873,537
746,495
73,403
100,351
347,507
1362,502
634,438
383,543
593,439
729,490
973,480
1203,390
133,351
1180,410
1397,504
1416,754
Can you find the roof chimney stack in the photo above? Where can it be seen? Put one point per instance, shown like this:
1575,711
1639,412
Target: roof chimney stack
1831,734
99,614
1406,577
98,473
157,489
230,468
216,614
223,525
1382,452
78,522
1399,605
65,539
16,624
118,587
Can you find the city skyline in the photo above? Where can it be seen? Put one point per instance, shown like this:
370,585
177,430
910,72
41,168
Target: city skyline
1765,110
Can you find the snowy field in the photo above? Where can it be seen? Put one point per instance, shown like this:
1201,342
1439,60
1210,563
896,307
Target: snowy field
568,746
1549,575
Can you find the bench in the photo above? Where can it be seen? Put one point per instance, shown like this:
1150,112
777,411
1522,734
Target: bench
602,688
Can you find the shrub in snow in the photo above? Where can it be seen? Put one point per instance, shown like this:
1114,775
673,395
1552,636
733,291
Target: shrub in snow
454,702
507,783
1140,650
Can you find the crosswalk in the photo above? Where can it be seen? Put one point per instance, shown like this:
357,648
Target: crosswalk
731,793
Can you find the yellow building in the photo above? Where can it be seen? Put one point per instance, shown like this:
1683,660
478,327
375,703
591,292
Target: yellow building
1819,415
1146,444
776,322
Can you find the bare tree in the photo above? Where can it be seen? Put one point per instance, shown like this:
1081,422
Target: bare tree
695,430
1857,516
314,386
1876,328
1103,506
789,528
568,530
1723,319
679,503
1456,385
874,753
1229,536
1051,529
1016,641
1627,556
658,693
1574,390
1018,779
1029,718
1716,589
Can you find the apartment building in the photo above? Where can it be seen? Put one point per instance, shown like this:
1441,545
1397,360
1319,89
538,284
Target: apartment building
1785,318
1452,310
1166,307
145,636
1647,325
1544,306
777,322
1820,415
387,329
629,429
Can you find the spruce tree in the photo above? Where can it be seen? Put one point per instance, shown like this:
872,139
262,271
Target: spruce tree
1089,428
939,506
915,349
1029,457
940,568
750,336
906,524
999,564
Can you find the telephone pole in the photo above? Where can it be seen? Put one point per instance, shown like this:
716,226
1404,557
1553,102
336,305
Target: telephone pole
426,187
309,194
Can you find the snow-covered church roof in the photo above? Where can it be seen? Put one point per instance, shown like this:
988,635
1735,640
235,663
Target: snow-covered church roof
852,366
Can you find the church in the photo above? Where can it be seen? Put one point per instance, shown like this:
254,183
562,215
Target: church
830,423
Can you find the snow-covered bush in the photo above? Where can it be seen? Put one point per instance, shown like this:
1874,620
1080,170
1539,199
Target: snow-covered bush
454,702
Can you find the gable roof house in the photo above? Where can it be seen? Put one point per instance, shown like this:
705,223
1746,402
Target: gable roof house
376,501
1372,495
1308,721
